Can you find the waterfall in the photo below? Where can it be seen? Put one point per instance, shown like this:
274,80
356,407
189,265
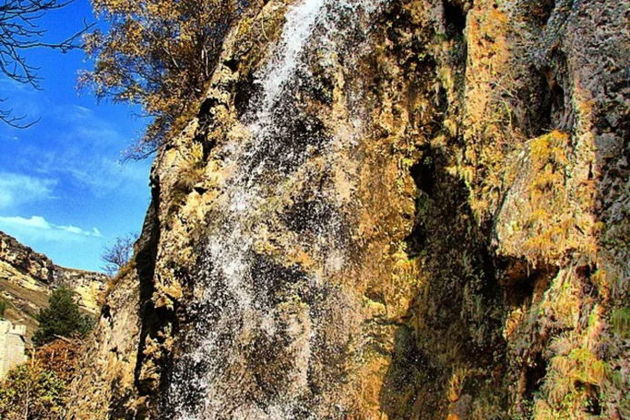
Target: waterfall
241,324
299,24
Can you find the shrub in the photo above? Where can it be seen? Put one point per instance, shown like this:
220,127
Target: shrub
3,308
61,357
31,393
62,318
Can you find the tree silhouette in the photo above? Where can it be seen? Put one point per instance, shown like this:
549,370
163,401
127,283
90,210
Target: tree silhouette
62,318
19,31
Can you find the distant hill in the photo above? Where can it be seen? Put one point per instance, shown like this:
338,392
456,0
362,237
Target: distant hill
27,278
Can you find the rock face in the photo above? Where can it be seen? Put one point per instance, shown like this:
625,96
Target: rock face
27,278
24,259
386,209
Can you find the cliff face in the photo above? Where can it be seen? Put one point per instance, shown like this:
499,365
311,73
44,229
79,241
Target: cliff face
395,209
27,278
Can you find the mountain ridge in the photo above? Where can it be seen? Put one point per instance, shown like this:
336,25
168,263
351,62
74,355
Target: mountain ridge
28,277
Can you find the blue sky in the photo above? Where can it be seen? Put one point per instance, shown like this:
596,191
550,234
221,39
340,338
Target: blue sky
63,188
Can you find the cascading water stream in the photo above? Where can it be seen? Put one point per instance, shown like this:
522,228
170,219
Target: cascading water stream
233,304
297,30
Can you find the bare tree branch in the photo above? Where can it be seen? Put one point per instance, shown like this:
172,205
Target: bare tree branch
19,31
116,256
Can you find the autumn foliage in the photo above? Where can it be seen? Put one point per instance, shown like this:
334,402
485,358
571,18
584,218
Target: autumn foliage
158,54
36,390
30,392
61,357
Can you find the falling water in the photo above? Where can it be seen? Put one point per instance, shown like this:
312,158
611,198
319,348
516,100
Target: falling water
299,25
241,323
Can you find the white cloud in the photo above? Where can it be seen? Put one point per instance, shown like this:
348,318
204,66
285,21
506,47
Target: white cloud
34,222
38,228
18,189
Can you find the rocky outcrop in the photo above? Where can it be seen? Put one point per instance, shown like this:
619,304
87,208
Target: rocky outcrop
27,278
397,209
25,260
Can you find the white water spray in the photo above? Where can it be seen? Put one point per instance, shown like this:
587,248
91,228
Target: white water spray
234,306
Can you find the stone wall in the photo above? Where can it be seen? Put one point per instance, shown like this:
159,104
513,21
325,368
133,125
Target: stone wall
12,346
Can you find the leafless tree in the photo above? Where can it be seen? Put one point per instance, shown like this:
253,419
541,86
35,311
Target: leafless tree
19,32
116,256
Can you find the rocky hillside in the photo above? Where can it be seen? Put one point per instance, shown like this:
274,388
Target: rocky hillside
27,278
404,209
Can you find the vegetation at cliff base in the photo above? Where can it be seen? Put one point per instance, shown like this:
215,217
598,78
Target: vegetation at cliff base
3,308
31,393
62,318
37,389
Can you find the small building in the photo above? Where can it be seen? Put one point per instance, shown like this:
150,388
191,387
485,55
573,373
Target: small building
12,346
